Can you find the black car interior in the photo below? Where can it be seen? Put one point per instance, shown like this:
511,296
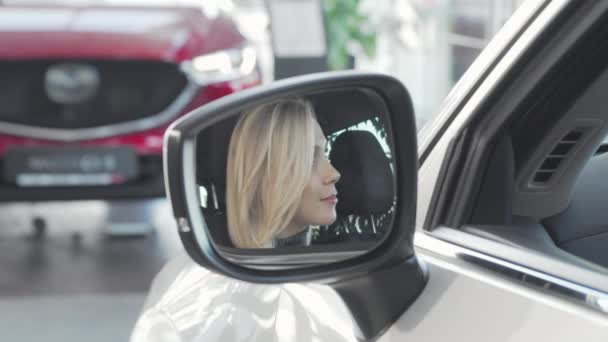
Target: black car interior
544,188
365,172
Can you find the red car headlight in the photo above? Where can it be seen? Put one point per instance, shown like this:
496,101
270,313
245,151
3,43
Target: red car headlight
220,66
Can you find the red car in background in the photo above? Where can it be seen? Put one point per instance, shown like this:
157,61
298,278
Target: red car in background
88,88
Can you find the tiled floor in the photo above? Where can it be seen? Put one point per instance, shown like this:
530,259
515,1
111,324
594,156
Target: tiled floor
91,318
84,274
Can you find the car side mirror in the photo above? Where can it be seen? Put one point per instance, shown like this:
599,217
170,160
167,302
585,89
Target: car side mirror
312,178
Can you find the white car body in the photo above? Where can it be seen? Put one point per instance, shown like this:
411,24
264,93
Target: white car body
463,300
460,302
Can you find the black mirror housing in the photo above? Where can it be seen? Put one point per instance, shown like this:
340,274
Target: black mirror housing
394,253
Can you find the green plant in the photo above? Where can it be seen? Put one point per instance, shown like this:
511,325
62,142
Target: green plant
346,26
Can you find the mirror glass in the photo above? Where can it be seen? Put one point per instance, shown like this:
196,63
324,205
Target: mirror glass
299,174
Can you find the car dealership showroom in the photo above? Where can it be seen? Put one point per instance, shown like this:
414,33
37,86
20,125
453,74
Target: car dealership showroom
88,89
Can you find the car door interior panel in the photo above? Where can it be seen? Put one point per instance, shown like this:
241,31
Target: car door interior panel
582,229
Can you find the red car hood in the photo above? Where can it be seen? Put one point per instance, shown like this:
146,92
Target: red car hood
162,33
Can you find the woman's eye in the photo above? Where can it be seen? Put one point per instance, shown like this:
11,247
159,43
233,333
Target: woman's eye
316,155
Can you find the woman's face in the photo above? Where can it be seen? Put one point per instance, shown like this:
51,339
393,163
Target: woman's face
319,199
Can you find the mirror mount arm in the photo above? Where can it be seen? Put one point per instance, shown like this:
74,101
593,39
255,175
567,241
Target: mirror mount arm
378,299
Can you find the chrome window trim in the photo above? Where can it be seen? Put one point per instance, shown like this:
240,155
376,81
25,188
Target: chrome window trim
544,282
71,135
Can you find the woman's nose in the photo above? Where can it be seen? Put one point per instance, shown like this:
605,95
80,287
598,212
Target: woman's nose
333,176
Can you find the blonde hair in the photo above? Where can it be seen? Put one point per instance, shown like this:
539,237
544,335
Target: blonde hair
270,160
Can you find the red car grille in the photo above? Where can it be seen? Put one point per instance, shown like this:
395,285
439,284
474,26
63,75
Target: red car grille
85,94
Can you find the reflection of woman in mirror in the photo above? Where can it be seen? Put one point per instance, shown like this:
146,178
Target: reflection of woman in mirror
279,181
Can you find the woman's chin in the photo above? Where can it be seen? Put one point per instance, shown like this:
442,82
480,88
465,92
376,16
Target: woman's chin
329,220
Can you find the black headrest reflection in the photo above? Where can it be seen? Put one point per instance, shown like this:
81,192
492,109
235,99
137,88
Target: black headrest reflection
366,182
212,158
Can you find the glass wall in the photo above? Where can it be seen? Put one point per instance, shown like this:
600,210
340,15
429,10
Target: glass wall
427,44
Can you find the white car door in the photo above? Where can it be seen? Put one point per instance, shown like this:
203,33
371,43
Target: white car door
481,296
